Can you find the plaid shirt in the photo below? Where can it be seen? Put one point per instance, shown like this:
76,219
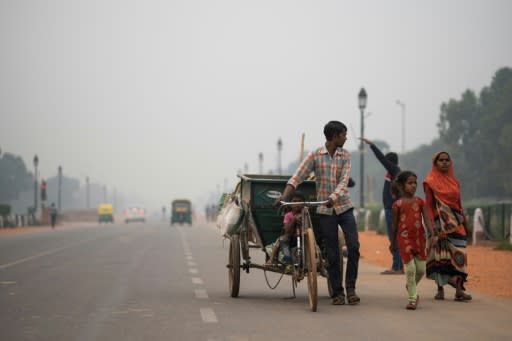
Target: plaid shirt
331,173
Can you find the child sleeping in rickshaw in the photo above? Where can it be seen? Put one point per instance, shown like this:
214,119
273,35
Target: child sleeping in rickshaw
281,248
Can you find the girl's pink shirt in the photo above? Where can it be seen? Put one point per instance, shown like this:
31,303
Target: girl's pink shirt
288,217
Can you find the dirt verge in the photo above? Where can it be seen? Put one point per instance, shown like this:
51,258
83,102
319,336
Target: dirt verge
490,270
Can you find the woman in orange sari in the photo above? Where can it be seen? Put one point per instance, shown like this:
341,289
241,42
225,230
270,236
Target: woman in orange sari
446,262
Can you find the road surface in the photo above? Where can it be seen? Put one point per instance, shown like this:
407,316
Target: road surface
156,282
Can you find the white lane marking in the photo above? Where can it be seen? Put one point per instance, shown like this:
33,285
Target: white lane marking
197,280
201,293
208,315
7,282
133,310
44,253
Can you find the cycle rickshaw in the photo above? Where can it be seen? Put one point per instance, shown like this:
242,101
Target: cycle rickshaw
261,224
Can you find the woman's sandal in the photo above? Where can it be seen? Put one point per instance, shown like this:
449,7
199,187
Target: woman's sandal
462,297
439,295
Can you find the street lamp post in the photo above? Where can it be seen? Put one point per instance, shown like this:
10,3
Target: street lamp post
260,159
87,192
60,189
114,200
402,105
362,105
279,148
36,162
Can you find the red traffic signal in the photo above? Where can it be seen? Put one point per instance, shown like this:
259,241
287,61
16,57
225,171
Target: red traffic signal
43,190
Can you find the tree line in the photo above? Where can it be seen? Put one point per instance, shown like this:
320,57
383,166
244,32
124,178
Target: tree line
17,184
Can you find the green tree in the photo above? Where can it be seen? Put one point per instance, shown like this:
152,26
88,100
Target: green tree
14,177
477,132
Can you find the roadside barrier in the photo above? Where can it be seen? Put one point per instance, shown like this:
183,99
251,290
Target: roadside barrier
491,222
478,224
367,220
16,220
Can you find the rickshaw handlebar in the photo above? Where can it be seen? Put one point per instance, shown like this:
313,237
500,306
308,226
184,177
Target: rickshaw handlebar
305,203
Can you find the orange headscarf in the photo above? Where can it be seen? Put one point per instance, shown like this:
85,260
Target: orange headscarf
445,187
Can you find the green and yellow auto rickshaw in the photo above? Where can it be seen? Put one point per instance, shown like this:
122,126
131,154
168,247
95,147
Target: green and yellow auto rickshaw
181,211
105,213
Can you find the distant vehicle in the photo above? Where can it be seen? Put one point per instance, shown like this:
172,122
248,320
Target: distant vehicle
181,211
105,213
134,214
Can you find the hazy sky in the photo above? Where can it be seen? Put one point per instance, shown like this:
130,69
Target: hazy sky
165,99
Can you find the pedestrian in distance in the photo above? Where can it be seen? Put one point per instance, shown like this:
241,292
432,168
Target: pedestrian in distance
53,215
331,166
408,232
390,163
447,259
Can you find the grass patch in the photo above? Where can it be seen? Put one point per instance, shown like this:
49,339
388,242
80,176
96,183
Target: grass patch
504,245
381,231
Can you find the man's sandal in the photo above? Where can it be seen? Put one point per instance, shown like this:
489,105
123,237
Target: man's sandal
439,295
338,300
353,299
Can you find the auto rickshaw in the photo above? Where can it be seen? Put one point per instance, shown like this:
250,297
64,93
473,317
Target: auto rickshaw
105,213
181,211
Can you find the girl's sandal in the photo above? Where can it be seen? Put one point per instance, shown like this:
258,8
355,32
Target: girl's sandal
411,305
462,297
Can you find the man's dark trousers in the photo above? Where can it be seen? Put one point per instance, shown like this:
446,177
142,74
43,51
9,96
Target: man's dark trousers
329,229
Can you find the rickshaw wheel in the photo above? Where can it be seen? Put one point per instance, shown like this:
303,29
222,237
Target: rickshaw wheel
234,265
311,269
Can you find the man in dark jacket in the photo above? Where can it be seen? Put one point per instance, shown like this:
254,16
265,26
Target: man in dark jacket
390,162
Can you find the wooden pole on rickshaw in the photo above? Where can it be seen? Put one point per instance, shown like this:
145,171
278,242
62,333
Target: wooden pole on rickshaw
301,155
